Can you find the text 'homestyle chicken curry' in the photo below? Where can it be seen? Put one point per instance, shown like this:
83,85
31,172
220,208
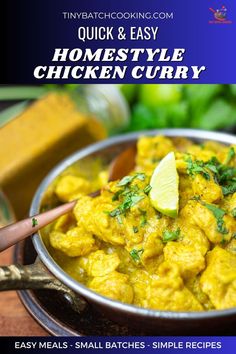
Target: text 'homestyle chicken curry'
120,246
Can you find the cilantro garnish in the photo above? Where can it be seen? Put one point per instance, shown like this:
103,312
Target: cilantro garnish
147,189
136,254
218,214
223,175
170,235
128,202
135,229
230,188
128,195
128,179
34,222
230,156
197,167
233,213
143,220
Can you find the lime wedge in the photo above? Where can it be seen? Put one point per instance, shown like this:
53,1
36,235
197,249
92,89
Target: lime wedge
164,195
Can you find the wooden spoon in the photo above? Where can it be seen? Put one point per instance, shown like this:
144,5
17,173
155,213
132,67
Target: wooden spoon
11,234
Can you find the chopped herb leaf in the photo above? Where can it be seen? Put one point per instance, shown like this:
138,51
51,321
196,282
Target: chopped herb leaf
147,189
128,179
197,167
229,189
223,175
34,222
118,218
135,229
223,241
125,180
226,174
128,202
196,197
140,176
233,213
218,214
143,220
136,254
231,155
171,235
116,195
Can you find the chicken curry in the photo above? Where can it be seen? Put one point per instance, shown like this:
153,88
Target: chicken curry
119,246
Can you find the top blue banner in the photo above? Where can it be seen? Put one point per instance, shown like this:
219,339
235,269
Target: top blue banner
124,41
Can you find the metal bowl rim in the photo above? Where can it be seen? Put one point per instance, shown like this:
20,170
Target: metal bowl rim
80,288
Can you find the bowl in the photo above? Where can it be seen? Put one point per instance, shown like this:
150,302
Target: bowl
50,275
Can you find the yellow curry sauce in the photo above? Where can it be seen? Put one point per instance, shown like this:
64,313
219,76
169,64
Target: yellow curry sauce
118,245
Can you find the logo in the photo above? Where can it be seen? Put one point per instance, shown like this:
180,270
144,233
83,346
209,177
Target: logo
220,16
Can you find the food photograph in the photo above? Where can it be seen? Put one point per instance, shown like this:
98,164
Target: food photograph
118,209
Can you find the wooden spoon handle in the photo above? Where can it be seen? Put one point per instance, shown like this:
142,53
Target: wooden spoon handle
9,235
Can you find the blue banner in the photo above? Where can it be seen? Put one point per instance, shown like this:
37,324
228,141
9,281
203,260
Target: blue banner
131,41
43,345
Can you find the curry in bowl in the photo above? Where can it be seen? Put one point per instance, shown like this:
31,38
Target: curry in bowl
120,246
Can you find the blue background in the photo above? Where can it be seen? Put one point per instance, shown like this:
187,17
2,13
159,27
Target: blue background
227,344
33,29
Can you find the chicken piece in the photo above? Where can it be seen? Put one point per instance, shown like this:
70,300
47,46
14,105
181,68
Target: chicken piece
185,190
231,246
218,281
229,203
91,213
153,247
182,144
152,255
200,152
98,263
70,187
76,242
167,291
193,236
150,150
207,190
114,285
193,284
65,223
140,281
189,259
102,217
198,214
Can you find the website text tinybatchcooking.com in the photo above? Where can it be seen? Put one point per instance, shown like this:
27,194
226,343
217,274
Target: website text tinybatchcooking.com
161,15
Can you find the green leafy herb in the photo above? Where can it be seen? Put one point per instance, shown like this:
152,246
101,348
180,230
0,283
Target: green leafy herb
147,189
125,180
136,254
143,220
170,235
233,213
230,188
158,215
196,197
135,229
231,155
218,214
128,179
223,175
226,174
128,202
34,222
197,167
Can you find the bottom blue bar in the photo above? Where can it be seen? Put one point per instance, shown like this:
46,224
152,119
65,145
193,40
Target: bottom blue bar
117,345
